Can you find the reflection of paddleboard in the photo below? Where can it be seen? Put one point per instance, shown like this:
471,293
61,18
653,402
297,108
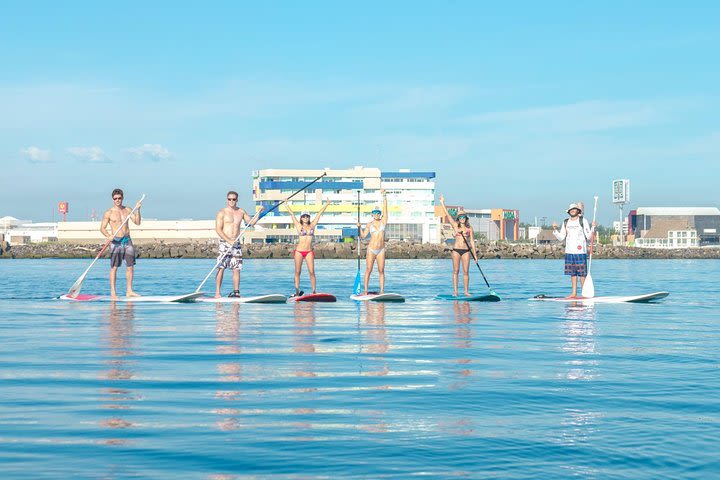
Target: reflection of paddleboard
190,297
648,297
379,297
314,297
273,298
471,298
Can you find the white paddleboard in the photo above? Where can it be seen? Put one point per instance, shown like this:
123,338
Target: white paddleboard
379,297
84,297
647,298
273,298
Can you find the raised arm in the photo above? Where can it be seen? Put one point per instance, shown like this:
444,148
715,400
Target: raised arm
561,234
292,214
322,210
385,209
452,219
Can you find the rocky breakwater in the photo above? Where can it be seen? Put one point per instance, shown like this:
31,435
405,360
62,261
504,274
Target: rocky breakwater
405,250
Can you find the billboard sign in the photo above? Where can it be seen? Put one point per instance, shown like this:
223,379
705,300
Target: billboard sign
621,191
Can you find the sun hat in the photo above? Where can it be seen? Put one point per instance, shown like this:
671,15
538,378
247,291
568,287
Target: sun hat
575,207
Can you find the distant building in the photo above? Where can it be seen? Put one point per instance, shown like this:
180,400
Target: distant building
675,227
410,195
18,232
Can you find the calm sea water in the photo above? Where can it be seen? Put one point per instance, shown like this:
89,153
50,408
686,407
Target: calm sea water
514,389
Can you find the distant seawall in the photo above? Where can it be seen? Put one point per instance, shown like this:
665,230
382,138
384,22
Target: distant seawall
395,249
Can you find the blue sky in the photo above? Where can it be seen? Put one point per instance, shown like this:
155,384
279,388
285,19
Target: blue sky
526,105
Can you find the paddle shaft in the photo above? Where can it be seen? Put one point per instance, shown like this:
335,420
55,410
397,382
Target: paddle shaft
472,252
592,236
75,289
253,221
358,235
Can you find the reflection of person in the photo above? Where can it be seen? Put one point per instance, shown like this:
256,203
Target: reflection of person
464,242
227,334
121,247
376,247
119,340
227,226
575,231
304,249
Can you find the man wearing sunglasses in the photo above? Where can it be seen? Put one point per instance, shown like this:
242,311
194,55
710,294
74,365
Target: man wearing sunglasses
121,247
227,226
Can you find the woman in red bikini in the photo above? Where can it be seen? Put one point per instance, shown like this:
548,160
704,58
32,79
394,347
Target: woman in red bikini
304,248
464,242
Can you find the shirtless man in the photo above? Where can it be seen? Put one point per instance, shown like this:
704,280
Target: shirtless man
121,247
227,226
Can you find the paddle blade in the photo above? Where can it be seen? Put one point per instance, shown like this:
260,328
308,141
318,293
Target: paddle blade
357,288
588,288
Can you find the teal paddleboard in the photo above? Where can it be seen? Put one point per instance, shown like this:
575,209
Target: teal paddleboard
471,298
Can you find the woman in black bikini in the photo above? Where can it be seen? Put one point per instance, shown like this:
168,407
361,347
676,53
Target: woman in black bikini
464,242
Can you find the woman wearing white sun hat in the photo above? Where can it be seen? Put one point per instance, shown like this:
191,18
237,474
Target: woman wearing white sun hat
575,231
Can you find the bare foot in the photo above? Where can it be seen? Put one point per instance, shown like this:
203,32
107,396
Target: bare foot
217,295
113,296
132,294
455,294
467,294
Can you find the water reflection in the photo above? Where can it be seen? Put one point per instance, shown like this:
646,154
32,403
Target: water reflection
376,340
304,345
463,337
118,340
227,335
579,341
579,331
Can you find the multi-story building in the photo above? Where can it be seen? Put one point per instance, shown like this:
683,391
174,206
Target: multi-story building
488,223
411,199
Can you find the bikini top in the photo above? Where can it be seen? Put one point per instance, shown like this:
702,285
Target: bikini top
306,233
373,229
465,233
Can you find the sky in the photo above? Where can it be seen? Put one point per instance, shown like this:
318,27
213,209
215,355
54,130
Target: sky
518,105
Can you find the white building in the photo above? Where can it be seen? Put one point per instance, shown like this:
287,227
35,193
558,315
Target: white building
25,231
410,195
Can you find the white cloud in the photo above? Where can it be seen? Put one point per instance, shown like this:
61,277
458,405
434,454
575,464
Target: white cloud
36,155
150,151
587,116
89,154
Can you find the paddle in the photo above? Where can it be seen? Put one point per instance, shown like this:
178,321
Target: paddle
472,252
356,286
253,221
75,289
588,288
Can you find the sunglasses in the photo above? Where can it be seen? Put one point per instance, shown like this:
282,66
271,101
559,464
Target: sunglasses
232,199
117,198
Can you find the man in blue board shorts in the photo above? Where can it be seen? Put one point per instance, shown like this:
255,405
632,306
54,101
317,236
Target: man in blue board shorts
227,226
575,232
121,247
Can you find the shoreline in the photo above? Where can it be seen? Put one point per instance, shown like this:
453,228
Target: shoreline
334,250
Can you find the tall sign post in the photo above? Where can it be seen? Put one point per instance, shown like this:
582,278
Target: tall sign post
64,208
620,196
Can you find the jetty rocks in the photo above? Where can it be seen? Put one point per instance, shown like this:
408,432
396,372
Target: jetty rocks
395,249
